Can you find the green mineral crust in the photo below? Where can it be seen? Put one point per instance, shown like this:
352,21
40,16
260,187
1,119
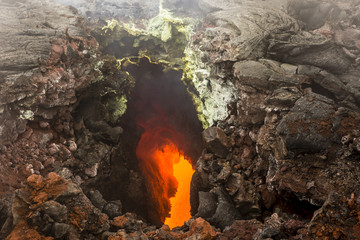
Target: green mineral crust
165,40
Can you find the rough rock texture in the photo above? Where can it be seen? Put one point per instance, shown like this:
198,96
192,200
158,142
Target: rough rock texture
278,86
216,141
55,207
46,58
333,219
49,60
254,31
293,131
94,10
242,229
38,66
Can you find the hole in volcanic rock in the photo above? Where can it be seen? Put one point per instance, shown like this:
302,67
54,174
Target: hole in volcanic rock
291,204
161,122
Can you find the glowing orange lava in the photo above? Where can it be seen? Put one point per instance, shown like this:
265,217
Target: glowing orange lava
168,173
180,203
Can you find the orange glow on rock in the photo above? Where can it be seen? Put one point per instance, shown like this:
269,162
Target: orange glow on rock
166,170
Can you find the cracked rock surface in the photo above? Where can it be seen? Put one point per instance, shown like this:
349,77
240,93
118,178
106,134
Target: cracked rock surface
280,85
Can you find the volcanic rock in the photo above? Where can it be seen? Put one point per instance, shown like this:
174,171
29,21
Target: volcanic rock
115,9
207,204
312,13
268,197
199,182
271,228
309,124
216,141
293,226
47,194
284,97
242,230
225,213
203,228
224,173
340,213
129,222
46,85
55,210
6,216
253,73
350,80
72,146
244,41
59,230
244,195
97,199
113,209
281,87
325,83
120,221
92,171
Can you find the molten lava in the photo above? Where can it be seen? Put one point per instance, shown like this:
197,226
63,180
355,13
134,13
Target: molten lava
180,204
168,173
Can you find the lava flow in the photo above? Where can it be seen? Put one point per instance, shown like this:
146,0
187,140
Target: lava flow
180,204
167,172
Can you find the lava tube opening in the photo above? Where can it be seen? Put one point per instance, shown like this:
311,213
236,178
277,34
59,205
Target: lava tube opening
161,121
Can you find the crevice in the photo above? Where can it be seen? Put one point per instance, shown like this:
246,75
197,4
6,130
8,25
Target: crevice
290,204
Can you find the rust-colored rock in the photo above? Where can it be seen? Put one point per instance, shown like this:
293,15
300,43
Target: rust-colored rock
267,196
36,182
54,186
120,221
23,232
292,134
339,218
242,230
202,227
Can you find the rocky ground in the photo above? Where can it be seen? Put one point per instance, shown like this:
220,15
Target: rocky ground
279,83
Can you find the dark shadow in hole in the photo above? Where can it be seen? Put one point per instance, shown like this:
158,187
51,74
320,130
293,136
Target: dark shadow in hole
290,204
156,91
